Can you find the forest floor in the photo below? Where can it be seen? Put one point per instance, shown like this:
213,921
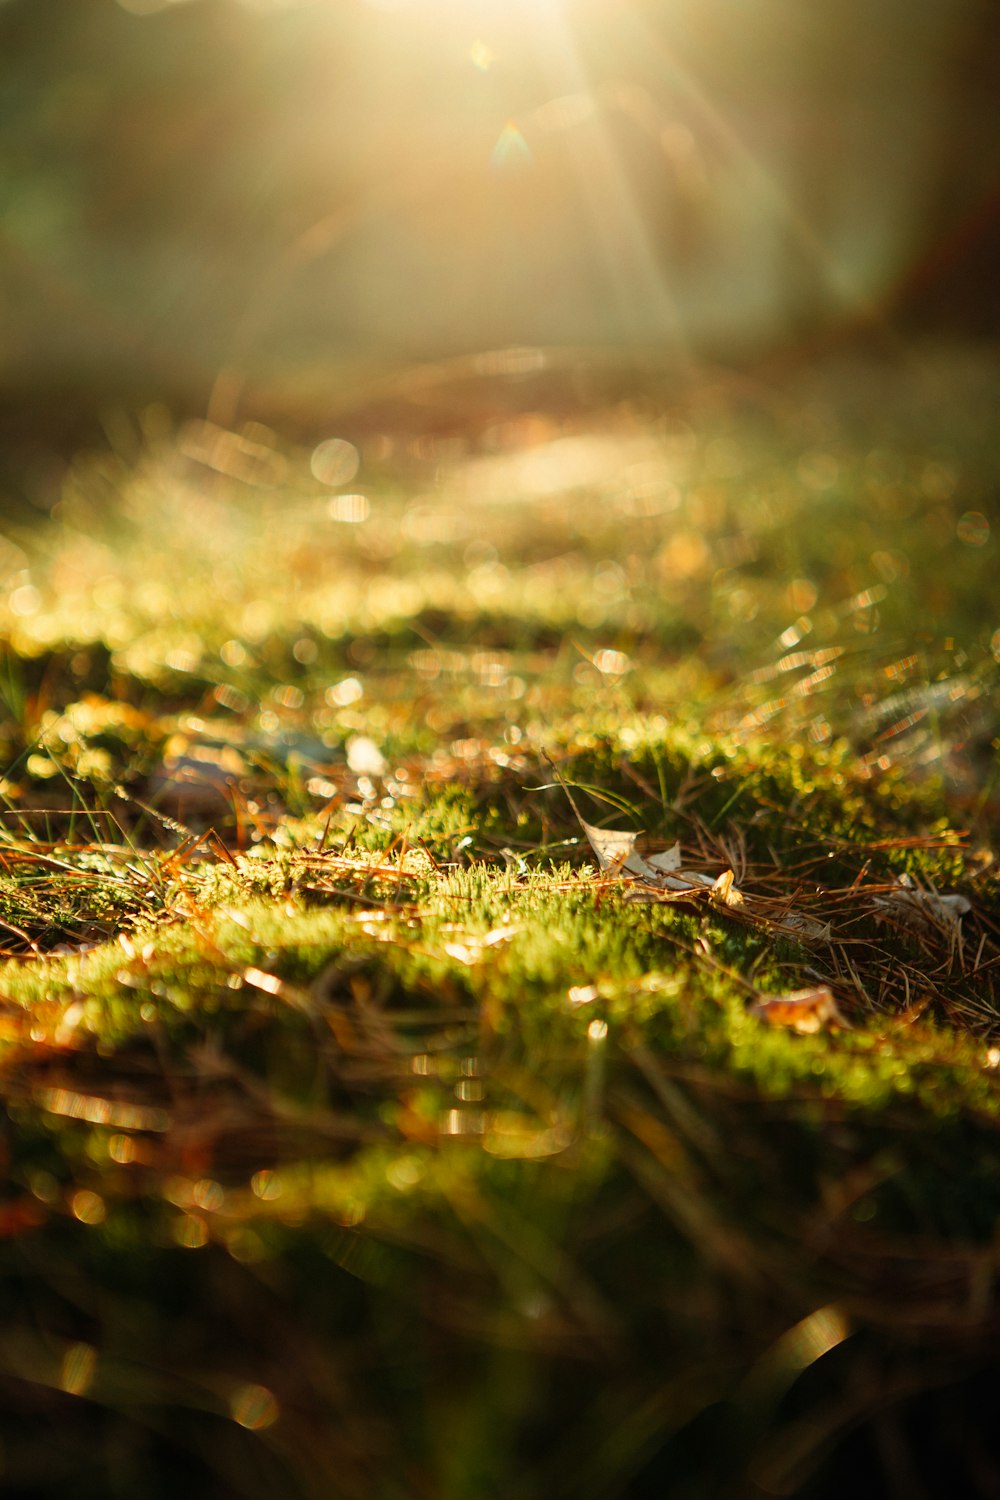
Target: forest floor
501,979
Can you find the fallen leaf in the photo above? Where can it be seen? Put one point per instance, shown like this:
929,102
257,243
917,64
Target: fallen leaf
805,1011
660,878
668,861
616,852
925,908
725,891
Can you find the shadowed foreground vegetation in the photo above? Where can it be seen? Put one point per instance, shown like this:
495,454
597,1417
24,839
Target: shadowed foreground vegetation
376,1128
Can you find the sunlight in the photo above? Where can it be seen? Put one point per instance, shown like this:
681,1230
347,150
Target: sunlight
587,114
463,10
484,15
463,175
506,175
570,140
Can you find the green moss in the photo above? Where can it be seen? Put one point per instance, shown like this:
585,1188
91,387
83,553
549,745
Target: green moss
370,1031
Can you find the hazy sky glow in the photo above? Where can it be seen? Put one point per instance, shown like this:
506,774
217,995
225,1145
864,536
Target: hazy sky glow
299,182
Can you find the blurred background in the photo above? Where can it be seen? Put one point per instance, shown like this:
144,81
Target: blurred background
272,207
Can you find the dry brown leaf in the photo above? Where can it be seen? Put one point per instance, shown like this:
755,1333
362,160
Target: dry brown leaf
725,891
667,862
660,878
922,907
616,851
805,1011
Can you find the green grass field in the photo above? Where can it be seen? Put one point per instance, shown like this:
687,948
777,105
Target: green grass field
377,1124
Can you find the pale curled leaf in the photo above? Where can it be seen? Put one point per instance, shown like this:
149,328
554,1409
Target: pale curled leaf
660,879
922,907
686,880
724,891
805,1011
616,851
667,862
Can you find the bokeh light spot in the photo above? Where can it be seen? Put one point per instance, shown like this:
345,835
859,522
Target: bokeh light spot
88,1207
349,510
364,757
208,1195
233,653
191,1232
254,1407
78,1366
266,1184
973,529
335,461
612,663
802,594
343,693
